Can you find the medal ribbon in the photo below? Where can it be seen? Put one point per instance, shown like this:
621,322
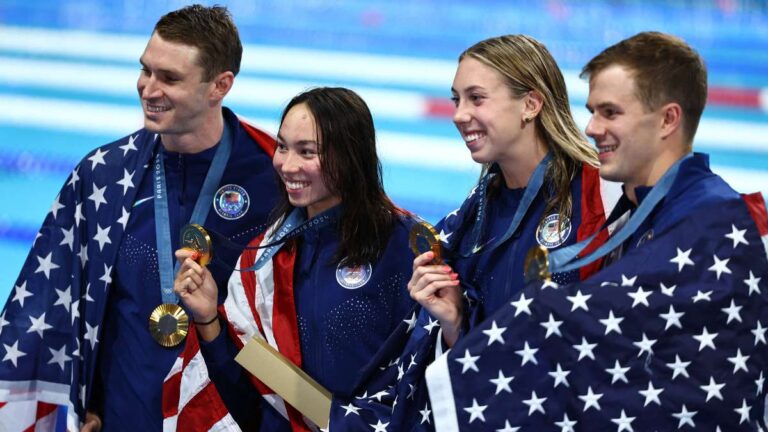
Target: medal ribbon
199,213
531,190
562,260
293,226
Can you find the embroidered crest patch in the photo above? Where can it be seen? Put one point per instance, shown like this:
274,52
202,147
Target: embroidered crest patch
353,277
231,201
548,234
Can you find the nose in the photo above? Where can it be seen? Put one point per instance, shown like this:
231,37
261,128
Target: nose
289,162
147,86
594,129
461,113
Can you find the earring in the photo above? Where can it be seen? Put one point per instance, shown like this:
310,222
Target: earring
527,119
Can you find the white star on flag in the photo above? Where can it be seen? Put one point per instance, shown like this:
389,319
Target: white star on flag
679,367
552,326
45,265
737,236
59,356
522,305
468,362
713,389
98,196
74,178
495,333
12,353
591,399
535,403
126,182
618,373
38,325
129,145
528,354
682,259
502,383
651,394
102,236
720,266
685,417
579,301
56,206
21,293
476,411
97,158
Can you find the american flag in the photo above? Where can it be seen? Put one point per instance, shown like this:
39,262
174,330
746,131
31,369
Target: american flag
49,328
258,304
393,397
50,325
670,337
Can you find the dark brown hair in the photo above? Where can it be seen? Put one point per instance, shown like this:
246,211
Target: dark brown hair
351,170
665,69
209,29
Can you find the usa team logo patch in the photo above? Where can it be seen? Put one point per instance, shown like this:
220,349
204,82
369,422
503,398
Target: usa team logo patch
548,234
353,277
231,202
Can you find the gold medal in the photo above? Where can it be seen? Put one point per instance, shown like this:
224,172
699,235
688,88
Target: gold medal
424,238
536,267
168,324
196,238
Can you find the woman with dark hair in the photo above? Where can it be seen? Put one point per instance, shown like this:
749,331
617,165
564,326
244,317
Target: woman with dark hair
328,284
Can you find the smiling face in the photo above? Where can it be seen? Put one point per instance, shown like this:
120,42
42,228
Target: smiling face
297,162
627,136
488,117
173,95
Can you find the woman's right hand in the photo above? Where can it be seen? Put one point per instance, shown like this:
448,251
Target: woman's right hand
196,287
436,288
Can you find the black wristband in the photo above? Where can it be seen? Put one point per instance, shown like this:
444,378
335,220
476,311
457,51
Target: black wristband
207,322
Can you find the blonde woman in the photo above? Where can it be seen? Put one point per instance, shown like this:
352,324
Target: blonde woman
540,184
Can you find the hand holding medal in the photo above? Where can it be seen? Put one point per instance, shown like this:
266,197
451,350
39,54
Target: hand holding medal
423,238
169,323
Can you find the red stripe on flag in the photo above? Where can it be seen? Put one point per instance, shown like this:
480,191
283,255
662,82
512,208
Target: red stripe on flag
439,107
756,205
203,411
743,98
171,390
592,217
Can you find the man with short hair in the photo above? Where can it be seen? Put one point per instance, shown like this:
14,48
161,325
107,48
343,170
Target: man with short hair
93,324
672,334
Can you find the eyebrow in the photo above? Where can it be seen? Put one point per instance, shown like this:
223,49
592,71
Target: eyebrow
600,105
469,89
164,71
298,143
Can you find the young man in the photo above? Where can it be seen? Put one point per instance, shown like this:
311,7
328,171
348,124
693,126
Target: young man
93,324
669,336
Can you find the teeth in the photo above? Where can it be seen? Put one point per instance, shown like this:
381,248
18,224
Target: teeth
473,136
606,149
296,185
154,108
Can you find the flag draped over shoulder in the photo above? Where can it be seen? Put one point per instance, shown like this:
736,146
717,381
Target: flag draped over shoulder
49,328
258,304
393,395
672,336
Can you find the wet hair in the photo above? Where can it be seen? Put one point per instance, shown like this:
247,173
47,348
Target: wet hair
527,65
209,29
665,69
351,170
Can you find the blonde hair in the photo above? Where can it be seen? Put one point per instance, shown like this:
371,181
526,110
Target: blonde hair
527,65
